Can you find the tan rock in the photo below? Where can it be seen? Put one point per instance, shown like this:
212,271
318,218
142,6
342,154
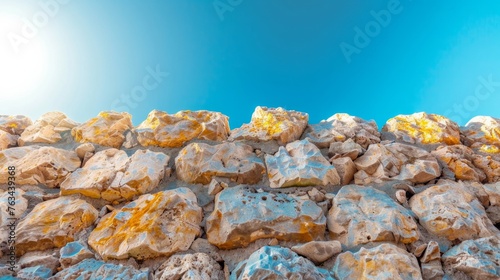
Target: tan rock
14,125
448,210
113,176
361,215
38,165
53,223
7,140
164,130
272,124
242,216
107,129
91,269
192,266
349,148
154,225
318,251
345,168
73,253
385,261
47,129
200,163
83,149
300,164
484,133
432,270
396,161
476,258
424,129
278,263
432,253
340,128
48,258
201,245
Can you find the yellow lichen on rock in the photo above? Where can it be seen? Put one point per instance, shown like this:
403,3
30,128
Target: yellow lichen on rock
424,128
154,225
53,223
14,124
272,124
106,129
164,130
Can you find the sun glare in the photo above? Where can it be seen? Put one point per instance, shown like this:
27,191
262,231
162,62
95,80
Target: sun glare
21,71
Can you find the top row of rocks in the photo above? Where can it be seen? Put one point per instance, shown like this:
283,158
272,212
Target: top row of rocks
160,129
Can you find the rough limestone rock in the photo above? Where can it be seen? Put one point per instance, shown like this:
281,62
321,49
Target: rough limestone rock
340,128
448,210
361,215
7,140
479,259
432,252
73,253
47,129
113,176
422,128
349,148
14,125
7,214
484,134
467,165
83,149
200,162
154,225
53,223
48,258
396,161
385,261
493,193
318,251
107,129
38,165
345,168
272,124
189,266
278,263
242,216
91,269
164,130
300,163
432,270
38,272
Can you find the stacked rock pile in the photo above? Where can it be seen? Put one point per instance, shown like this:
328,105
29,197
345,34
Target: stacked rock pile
184,197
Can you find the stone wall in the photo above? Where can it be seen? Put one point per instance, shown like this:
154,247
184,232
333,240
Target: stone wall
184,197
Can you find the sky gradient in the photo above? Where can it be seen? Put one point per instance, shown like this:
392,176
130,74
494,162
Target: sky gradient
373,60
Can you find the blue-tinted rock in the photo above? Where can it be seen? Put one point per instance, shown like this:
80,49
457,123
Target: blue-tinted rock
90,269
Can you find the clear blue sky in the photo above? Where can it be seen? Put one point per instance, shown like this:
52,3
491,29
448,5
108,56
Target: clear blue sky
89,54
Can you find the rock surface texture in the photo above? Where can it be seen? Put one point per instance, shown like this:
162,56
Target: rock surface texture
182,196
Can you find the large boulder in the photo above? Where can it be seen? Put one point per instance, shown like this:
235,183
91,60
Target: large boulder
466,165
272,124
396,161
107,129
14,125
47,129
451,211
53,223
278,263
422,128
154,225
113,176
242,215
385,261
300,163
38,165
200,162
91,269
164,130
362,215
340,128
483,133
479,259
